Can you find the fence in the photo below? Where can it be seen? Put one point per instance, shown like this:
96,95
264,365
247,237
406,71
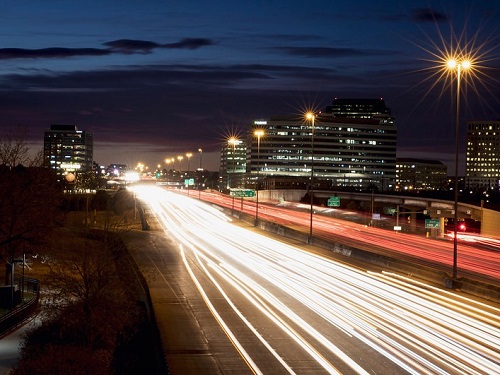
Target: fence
25,310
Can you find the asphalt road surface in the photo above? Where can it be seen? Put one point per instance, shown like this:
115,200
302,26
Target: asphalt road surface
231,301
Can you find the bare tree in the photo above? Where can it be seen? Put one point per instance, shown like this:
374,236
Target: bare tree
29,200
14,149
88,312
83,279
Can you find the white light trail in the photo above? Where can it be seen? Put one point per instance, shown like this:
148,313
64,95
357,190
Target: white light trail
419,328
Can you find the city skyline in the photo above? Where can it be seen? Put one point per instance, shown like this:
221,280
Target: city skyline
157,79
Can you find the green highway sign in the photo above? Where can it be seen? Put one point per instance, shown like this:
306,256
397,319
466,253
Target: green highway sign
242,193
432,223
334,202
189,182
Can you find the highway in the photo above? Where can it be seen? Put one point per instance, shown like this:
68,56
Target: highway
286,310
477,256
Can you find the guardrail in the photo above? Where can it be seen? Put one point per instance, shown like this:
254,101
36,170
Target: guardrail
24,311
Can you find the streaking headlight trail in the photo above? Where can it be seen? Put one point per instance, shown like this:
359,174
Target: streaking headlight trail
420,329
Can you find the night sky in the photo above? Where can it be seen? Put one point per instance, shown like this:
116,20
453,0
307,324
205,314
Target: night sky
153,79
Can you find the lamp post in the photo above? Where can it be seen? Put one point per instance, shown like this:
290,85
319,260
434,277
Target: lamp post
167,163
456,66
232,141
180,157
310,116
188,156
258,133
200,171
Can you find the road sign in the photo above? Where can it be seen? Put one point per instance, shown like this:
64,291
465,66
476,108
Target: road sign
242,193
432,223
334,202
189,182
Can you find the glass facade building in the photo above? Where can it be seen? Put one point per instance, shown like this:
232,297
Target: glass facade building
482,168
353,145
67,149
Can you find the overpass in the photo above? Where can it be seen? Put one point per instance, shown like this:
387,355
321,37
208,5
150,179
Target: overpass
439,210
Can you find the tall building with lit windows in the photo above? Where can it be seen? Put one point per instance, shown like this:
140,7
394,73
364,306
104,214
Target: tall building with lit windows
232,164
354,144
67,149
482,166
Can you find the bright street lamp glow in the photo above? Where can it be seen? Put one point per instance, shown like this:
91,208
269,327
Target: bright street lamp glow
258,133
310,116
464,64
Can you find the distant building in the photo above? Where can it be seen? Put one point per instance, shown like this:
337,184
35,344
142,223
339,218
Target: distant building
232,164
116,170
482,166
67,149
354,145
359,108
420,174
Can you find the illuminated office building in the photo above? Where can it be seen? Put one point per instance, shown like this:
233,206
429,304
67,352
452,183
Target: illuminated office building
354,145
482,168
232,164
420,174
67,149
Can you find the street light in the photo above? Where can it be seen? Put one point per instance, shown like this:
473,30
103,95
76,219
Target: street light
180,157
200,171
310,116
201,156
258,133
458,66
232,141
188,156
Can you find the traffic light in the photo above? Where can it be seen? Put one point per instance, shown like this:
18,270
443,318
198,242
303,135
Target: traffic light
462,227
158,174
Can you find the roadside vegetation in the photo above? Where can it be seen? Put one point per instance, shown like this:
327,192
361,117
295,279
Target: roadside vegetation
94,309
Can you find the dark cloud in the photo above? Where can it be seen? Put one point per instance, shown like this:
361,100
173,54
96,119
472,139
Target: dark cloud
44,53
332,52
190,43
131,46
167,76
428,15
122,46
